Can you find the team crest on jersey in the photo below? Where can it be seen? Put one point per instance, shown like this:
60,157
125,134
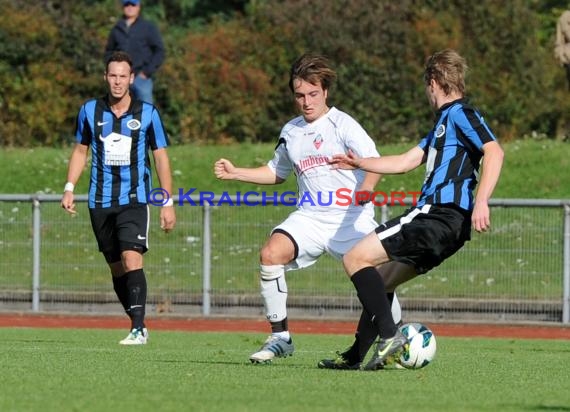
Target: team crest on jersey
134,124
318,141
440,130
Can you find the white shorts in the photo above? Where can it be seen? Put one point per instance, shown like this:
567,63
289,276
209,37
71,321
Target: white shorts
315,234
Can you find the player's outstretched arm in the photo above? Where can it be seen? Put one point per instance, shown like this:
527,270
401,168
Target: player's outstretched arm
263,175
385,165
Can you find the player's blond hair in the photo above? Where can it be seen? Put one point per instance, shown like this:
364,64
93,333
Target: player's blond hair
448,69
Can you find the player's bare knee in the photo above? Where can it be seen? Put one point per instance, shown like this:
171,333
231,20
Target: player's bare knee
350,263
131,263
271,256
266,256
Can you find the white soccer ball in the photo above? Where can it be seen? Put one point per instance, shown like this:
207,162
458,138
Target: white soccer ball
422,346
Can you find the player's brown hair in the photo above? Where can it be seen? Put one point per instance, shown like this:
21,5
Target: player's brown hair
314,69
119,56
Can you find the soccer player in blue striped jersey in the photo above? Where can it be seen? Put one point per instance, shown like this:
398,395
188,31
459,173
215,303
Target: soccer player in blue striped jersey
459,144
120,131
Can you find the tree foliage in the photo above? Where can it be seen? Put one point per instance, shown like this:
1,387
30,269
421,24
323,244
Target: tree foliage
226,73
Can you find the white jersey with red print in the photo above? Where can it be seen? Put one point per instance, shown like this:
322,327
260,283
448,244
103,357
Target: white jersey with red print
304,149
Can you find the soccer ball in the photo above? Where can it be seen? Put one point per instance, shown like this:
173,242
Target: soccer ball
422,346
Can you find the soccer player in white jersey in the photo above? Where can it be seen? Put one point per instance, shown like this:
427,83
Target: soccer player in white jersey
329,218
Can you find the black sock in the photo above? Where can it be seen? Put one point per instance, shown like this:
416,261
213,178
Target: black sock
280,326
363,339
372,294
365,335
390,296
136,284
122,291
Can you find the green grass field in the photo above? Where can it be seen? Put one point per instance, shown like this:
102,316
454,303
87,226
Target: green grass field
86,370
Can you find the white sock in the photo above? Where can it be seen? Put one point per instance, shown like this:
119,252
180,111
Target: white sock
285,335
274,292
396,310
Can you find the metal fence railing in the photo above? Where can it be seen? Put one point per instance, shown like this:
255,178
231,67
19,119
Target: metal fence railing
519,271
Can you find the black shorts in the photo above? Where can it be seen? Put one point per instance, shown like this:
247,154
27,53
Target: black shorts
426,236
120,228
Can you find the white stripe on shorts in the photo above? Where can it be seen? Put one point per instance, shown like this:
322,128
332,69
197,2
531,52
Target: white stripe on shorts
403,220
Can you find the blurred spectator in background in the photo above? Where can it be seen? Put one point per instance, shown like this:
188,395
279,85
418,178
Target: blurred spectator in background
562,45
141,39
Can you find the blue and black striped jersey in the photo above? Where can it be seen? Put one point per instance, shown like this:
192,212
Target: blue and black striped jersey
454,151
120,164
